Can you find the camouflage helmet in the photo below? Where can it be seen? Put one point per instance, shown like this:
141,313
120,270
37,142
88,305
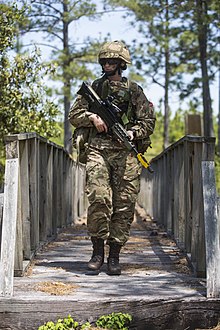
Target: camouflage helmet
115,49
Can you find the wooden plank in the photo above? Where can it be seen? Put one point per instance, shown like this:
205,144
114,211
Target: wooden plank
18,260
1,215
25,197
198,229
176,190
158,184
76,191
59,191
188,160
74,178
163,192
68,192
9,227
34,192
61,219
22,249
181,209
211,230
49,196
169,193
42,191
55,192
146,314
194,124
65,191
81,191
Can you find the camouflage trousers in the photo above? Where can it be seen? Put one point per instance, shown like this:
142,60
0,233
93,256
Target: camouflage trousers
112,185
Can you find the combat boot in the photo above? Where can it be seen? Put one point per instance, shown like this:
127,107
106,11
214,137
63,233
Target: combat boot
113,259
97,260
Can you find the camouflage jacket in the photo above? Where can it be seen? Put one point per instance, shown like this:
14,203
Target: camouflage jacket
137,111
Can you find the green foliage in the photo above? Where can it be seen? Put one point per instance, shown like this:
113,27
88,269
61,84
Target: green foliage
86,326
62,324
156,137
9,18
113,321
25,106
177,126
24,103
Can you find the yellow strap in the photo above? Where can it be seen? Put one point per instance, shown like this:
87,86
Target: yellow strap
143,160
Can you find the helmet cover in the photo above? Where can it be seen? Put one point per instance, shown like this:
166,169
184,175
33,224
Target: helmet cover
115,49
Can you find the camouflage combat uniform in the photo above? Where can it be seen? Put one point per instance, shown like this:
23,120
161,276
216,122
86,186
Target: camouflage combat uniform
113,174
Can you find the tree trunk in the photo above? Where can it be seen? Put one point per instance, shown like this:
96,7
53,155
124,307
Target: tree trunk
66,82
67,126
218,146
166,96
201,7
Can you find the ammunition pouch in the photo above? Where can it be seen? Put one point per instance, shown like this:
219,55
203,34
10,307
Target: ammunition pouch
81,141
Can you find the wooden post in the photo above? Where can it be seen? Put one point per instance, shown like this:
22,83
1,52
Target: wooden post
212,230
55,192
198,234
34,192
188,191
24,204
76,192
49,196
193,124
1,213
42,191
9,227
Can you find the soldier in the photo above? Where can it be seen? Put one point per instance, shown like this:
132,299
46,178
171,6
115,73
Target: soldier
112,172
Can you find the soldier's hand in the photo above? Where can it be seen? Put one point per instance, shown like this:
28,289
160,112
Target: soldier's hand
131,135
98,123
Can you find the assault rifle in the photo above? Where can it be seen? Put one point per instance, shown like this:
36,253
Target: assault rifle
106,110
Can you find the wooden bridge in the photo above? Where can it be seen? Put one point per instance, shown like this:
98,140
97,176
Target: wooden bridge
170,265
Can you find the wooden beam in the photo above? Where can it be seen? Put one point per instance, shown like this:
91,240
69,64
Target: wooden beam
211,230
9,227
147,314
1,212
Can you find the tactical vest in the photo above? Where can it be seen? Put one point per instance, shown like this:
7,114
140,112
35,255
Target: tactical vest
123,99
121,94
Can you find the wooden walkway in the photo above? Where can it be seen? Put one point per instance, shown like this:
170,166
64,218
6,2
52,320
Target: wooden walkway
156,287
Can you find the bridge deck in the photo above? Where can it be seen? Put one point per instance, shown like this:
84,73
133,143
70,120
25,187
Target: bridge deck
156,283
151,263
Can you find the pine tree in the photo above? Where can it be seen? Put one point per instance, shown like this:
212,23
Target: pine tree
55,19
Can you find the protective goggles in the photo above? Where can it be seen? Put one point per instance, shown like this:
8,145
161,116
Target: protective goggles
110,61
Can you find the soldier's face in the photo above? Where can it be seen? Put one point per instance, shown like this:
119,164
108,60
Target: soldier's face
110,65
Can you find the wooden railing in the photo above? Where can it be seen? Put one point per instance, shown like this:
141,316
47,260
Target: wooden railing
44,191
181,195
